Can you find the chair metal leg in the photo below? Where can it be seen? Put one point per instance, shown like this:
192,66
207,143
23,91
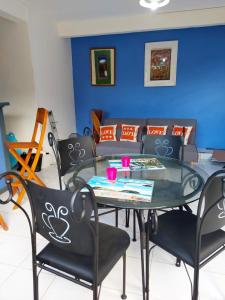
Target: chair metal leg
116,216
148,252
147,264
95,292
127,218
141,222
134,226
196,281
124,296
35,282
178,262
60,182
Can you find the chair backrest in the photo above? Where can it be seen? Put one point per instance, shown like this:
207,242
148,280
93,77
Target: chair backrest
211,208
63,217
163,145
40,123
72,151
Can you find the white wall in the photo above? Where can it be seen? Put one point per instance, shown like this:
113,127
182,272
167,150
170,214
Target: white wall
52,65
135,23
16,78
44,79
14,9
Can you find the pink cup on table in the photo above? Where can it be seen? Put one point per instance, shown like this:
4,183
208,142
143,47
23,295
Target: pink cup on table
111,173
125,161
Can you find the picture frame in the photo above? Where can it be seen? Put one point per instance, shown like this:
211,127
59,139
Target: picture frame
102,62
160,64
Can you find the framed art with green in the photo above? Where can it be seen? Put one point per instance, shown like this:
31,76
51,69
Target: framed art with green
102,66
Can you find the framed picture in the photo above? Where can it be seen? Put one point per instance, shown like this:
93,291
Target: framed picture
160,63
102,66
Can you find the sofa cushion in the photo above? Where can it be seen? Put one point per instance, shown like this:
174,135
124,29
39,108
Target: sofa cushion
110,148
108,133
129,133
172,122
178,131
156,130
129,121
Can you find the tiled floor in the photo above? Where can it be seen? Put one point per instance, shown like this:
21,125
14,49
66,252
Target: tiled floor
166,280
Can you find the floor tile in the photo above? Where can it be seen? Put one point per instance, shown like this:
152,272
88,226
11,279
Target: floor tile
211,286
19,285
167,282
114,278
14,249
5,272
64,289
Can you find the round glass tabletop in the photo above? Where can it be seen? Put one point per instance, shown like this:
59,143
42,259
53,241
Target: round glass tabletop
169,182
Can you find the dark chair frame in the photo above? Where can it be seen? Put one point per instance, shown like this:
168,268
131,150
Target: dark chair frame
178,142
143,136
202,214
54,145
95,287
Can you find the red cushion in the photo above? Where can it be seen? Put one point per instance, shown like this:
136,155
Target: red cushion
156,130
178,130
108,133
129,133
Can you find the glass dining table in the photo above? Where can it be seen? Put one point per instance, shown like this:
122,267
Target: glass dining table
175,184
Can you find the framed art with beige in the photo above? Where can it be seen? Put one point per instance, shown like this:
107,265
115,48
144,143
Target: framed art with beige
160,63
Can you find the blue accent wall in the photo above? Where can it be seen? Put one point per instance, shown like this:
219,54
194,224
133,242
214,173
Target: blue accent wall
200,89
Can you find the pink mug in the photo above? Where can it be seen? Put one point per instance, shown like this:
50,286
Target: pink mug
125,161
111,173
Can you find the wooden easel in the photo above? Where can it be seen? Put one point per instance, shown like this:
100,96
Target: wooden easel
28,172
3,223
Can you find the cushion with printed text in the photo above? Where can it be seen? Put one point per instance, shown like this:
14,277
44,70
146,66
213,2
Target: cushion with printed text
108,133
156,130
179,130
129,132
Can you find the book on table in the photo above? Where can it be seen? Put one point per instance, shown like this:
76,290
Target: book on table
138,164
122,188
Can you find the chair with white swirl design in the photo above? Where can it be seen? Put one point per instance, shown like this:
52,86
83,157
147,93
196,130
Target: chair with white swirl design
194,239
163,146
79,248
71,152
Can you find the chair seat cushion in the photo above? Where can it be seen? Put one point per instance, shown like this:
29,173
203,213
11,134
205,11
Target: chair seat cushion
177,233
113,243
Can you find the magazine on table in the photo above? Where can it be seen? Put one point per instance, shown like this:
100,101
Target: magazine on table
122,188
138,164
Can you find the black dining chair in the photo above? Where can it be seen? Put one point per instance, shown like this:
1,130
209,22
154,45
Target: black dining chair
71,152
80,248
163,146
194,239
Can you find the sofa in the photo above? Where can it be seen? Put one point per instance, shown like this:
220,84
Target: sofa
122,147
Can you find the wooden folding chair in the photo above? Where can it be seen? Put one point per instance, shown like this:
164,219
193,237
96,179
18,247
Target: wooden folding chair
28,172
3,223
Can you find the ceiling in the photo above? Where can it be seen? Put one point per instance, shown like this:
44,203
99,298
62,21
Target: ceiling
86,9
